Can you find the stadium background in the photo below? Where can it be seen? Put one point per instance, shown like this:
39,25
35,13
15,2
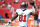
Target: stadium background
4,10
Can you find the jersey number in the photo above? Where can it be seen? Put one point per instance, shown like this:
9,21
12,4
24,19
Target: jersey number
21,18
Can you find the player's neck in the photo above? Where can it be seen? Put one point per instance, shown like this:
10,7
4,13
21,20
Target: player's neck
23,10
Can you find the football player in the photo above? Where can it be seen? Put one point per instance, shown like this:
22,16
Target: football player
39,16
32,3
23,14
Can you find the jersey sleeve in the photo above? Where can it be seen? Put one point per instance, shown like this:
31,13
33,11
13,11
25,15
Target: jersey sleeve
32,10
17,11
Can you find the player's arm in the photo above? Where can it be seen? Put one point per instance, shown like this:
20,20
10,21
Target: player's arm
32,13
36,12
14,17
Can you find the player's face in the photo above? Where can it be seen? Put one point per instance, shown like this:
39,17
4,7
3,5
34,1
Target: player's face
23,8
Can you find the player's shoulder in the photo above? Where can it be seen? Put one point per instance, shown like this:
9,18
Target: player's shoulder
28,9
18,9
31,9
